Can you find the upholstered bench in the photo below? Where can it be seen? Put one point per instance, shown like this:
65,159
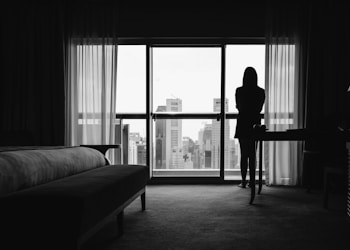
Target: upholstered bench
64,213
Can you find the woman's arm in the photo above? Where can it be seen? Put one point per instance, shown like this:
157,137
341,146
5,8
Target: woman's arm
238,99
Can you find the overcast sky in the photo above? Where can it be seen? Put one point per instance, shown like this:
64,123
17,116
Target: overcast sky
191,74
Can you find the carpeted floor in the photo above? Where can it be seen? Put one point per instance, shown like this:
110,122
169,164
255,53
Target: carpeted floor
219,217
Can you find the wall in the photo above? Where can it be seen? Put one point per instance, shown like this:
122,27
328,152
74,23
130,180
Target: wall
239,20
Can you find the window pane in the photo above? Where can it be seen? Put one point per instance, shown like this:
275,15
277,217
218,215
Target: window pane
232,166
192,75
238,57
186,147
131,79
131,133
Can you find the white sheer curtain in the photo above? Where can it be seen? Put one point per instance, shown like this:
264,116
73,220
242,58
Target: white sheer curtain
285,87
280,114
91,35
91,75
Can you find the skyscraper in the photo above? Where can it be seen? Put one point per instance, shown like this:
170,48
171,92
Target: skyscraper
134,141
174,156
206,148
188,152
215,159
141,154
234,153
132,156
161,141
168,134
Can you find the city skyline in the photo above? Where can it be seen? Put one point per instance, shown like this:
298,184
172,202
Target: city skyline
175,151
192,76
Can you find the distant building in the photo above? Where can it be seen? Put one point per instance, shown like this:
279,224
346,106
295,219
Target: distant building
141,154
188,152
233,154
135,136
206,159
215,161
196,156
132,159
160,140
121,137
168,135
174,155
134,140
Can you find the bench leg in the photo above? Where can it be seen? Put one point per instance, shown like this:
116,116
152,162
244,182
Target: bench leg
120,219
143,201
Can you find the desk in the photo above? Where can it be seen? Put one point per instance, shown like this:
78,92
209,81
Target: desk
298,135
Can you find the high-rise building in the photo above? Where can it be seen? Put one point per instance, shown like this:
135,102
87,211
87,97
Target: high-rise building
168,134
125,142
215,160
134,140
188,152
196,156
141,154
160,134
174,155
206,146
122,138
132,157
233,154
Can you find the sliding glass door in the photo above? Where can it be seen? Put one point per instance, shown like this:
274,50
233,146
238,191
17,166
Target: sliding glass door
238,57
176,106
186,92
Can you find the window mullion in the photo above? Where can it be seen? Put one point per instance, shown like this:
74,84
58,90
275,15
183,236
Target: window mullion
223,114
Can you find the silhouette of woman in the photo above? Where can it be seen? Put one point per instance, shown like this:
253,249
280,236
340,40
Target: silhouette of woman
249,102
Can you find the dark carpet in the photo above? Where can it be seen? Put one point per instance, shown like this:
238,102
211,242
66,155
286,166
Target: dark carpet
219,217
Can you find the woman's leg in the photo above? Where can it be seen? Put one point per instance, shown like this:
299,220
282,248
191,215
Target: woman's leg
244,146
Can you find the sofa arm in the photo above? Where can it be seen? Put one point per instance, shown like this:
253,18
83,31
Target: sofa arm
102,148
26,168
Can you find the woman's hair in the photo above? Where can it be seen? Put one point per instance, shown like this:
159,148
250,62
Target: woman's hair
250,77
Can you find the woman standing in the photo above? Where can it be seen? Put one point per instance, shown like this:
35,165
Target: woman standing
249,101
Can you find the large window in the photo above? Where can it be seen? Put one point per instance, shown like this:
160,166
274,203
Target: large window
238,57
130,103
175,106
186,81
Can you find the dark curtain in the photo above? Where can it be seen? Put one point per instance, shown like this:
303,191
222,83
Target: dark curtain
91,19
32,90
328,64
328,77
